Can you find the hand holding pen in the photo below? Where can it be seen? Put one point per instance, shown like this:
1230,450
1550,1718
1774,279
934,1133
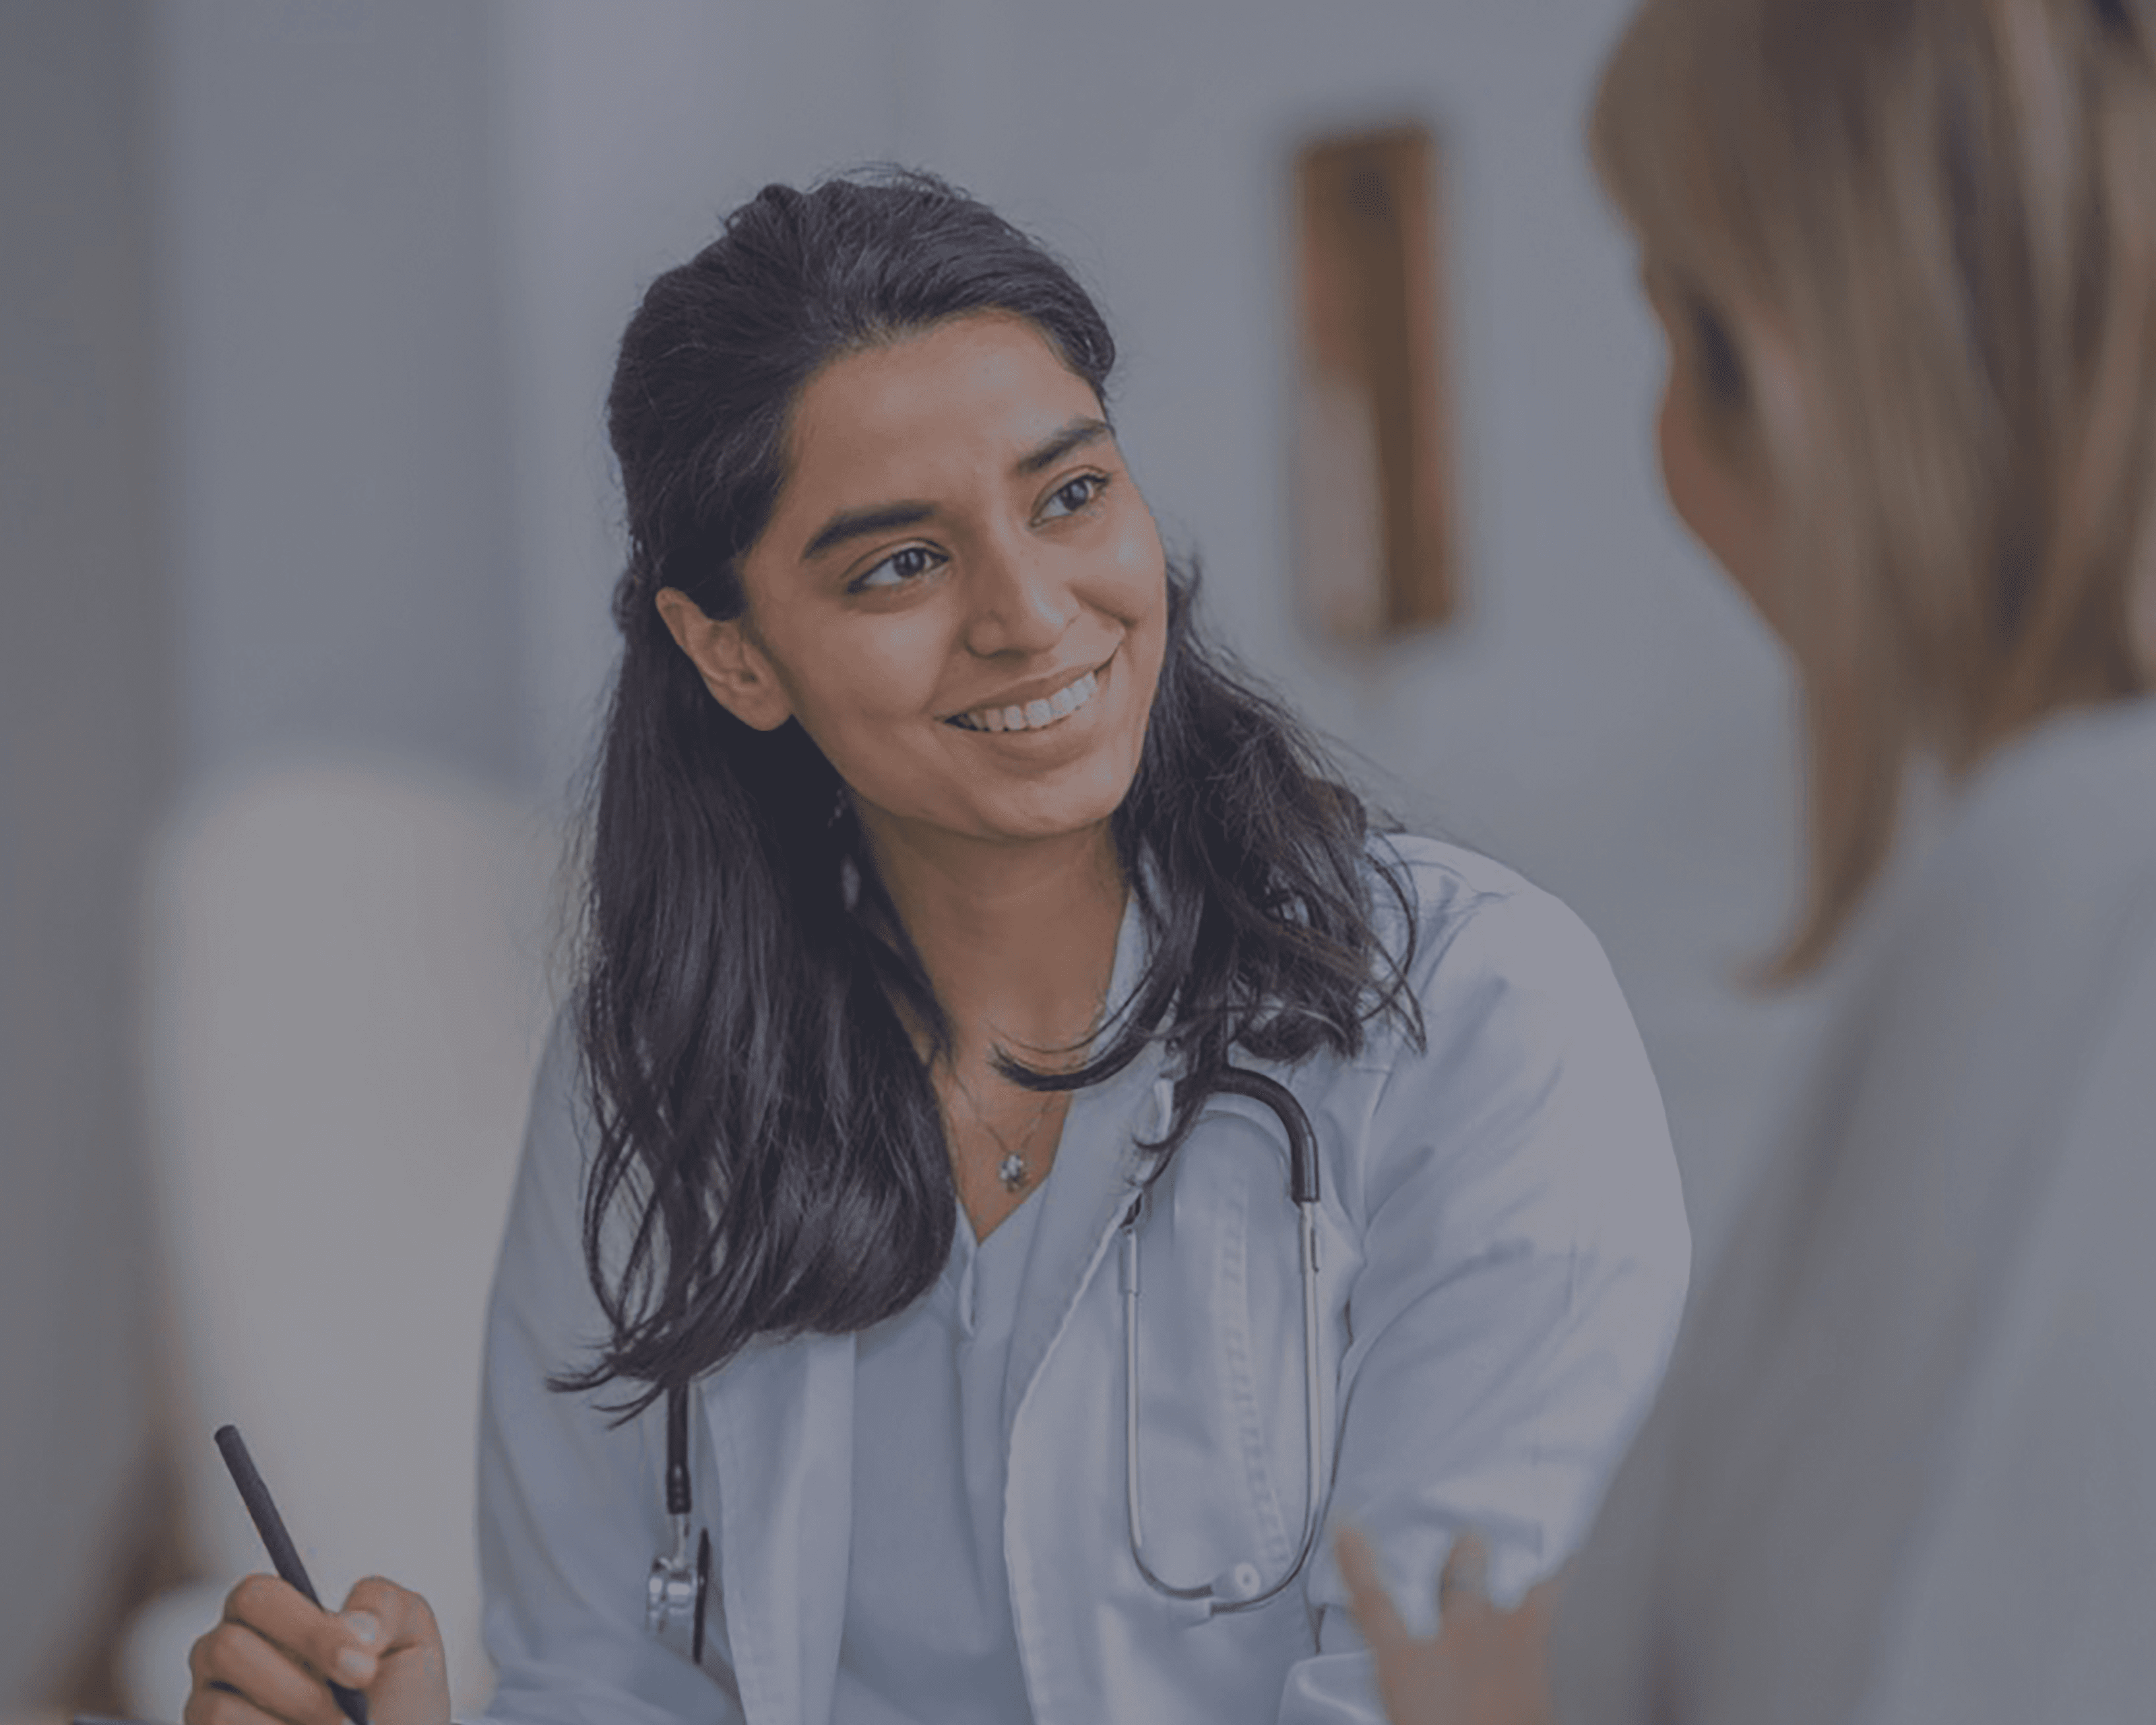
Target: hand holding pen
278,1656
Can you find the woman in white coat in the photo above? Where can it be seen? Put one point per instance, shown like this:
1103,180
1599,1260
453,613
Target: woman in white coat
955,917
1904,1466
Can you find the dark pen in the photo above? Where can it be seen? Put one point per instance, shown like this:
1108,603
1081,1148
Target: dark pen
282,1551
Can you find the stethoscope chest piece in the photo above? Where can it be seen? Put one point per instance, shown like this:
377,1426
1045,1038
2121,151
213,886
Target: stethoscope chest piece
678,1589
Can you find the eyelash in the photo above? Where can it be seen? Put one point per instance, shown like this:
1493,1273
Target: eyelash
1098,481
1097,485
1720,368
861,582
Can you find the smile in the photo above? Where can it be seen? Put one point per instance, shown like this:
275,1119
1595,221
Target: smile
1035,714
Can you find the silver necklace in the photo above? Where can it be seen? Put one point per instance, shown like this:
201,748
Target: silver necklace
1015,1172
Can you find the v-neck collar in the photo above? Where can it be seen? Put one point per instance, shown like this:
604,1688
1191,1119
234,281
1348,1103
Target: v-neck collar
1092,1182
780,1413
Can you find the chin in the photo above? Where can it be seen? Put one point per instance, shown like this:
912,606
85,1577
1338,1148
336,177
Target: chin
1063,816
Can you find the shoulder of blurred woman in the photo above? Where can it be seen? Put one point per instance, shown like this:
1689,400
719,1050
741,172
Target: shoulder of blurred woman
2075,794
2045,861
1981,991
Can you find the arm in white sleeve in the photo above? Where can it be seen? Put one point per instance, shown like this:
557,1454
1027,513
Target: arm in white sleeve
570,1512
1525,1259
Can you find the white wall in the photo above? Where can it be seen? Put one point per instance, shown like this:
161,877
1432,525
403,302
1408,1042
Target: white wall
84,719
327,273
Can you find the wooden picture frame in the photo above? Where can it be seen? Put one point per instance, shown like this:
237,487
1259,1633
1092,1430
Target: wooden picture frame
1375,501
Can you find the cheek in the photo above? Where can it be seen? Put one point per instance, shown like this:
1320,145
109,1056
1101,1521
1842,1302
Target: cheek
1140,575
862,673
1142,609
1722,510
1680,457
1137,554
860,697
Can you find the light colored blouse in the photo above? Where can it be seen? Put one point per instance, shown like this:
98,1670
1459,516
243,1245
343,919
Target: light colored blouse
928,1636
1904,1466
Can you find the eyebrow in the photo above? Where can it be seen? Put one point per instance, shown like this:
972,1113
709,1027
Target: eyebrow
881,517
1075,435
860,523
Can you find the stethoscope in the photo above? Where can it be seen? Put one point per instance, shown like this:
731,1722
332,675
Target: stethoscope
1240,1587
680,1579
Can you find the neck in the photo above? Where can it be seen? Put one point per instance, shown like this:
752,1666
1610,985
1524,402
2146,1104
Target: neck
1019,940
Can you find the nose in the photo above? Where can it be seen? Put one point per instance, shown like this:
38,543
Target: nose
1020,601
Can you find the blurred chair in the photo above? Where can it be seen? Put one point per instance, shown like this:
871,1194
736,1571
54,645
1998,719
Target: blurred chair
345,991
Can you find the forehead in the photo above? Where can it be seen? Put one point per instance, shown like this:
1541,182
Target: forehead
985,387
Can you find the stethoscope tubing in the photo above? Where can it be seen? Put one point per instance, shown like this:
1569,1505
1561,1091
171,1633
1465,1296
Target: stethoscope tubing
679,1581
1241,1587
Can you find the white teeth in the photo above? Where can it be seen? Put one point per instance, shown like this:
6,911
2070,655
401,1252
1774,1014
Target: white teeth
1034,714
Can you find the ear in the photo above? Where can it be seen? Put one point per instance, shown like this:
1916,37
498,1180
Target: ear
741,678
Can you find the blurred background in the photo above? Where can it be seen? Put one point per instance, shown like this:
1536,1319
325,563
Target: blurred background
306,314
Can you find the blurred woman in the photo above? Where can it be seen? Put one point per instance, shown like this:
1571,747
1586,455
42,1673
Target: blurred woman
1904,1466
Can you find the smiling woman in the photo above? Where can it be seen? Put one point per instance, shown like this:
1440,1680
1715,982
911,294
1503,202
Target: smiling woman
950,902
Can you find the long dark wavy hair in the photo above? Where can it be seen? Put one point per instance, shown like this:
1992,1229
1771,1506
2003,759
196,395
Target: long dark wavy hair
770,1159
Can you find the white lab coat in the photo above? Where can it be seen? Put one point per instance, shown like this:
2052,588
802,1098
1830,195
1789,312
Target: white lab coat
1904,1469
1504,1257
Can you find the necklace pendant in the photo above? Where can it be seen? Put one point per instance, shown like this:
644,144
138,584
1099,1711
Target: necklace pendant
1013,1172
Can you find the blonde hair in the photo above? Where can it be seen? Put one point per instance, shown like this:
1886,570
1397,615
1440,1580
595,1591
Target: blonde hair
1925,231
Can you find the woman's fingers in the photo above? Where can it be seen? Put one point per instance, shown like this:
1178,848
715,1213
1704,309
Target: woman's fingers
1367,1595
327,1646
412,1684
1483,1667
386,1618
1411,1676
275,1653
225,1706
1464,1583
1542,1598
252,1666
